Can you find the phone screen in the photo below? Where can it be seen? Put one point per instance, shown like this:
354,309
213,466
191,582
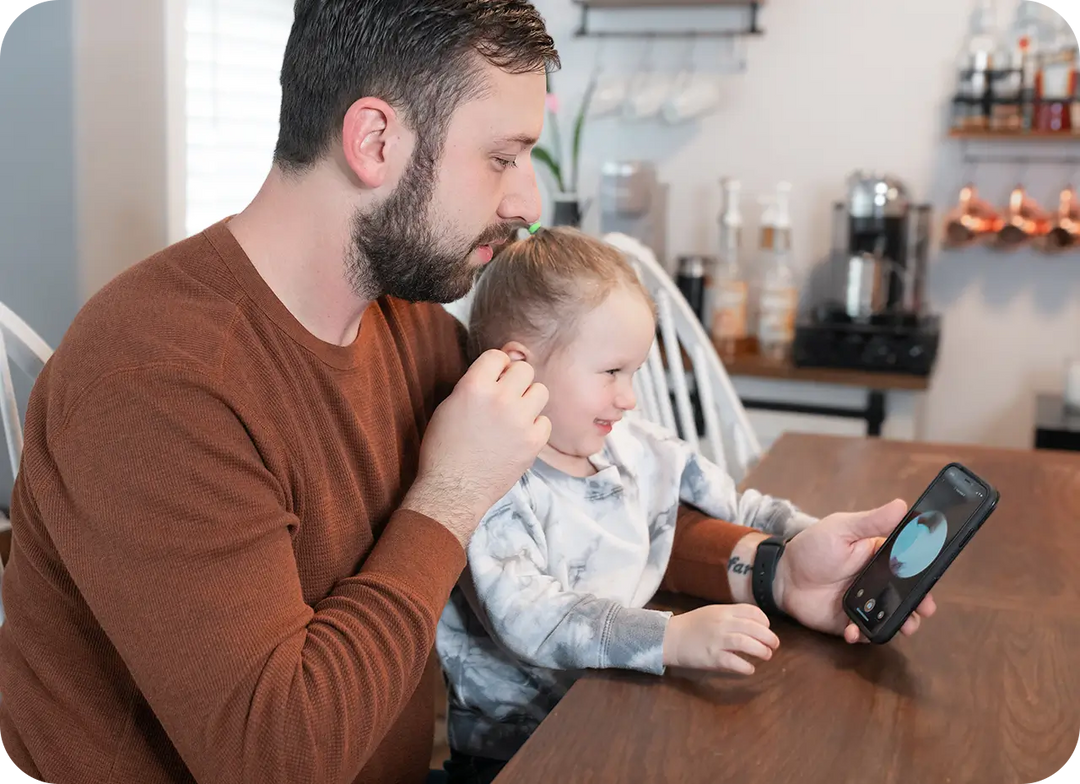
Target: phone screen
914,546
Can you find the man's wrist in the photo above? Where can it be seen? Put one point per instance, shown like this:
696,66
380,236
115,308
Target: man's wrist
427,498
740,568
780,584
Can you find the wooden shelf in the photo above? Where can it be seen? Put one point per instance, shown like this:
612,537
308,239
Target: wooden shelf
1009,136
752,28
664,3
756,366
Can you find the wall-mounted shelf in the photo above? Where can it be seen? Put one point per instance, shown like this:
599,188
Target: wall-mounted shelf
1012,136
980,146
751,28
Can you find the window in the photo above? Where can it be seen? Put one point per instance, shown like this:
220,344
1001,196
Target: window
232,61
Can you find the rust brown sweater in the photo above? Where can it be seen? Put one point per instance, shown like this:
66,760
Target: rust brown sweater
210,578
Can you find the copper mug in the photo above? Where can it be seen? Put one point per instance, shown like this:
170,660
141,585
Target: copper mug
1065,233
972,219
1025,221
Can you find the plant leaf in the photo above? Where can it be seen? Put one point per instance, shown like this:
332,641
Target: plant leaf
579,131
542,155
556,140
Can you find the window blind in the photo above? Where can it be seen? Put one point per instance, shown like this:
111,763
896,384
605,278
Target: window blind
232,51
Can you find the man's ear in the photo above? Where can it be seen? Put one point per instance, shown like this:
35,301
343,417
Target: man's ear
370,140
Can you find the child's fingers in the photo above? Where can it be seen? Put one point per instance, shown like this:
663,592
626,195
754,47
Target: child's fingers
729,661
755,630
750,612
743,643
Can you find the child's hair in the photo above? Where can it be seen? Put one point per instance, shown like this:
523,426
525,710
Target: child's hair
537,288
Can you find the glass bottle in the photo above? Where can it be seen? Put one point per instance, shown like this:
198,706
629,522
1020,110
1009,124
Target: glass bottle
779,298
731,291
1007,84
971,104
1058,81
1027,32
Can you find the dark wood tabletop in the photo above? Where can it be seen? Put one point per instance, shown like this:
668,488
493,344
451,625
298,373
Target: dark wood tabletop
986,692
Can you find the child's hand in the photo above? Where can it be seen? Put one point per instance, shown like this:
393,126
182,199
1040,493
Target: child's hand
713,637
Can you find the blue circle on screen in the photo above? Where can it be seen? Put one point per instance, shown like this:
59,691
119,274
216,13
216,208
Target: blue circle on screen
919,543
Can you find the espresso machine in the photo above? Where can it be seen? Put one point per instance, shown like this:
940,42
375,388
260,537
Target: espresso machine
870,310
634,202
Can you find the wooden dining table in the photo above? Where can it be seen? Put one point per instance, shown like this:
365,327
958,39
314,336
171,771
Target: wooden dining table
987,691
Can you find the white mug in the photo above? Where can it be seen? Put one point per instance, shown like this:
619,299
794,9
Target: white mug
647,96
609,95
696,96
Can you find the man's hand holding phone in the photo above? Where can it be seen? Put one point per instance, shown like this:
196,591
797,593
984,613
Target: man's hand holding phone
820,563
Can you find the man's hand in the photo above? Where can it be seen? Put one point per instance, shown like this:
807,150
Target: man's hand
480,441
819,564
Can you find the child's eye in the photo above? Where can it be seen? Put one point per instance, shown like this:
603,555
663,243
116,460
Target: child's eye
613,372
506,163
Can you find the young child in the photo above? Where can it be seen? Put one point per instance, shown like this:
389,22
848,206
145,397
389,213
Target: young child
561,568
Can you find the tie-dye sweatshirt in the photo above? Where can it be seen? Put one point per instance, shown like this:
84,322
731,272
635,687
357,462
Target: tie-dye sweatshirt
559,574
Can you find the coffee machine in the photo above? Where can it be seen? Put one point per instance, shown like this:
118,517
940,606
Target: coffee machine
634,202
870,310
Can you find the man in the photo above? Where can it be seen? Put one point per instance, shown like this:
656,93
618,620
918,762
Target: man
252,464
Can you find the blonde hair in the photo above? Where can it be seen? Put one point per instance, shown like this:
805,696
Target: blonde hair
537,288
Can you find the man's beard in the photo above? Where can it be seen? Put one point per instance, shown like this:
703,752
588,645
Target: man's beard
398,251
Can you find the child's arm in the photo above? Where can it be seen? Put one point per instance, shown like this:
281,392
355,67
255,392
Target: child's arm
706,486
709,488
539,619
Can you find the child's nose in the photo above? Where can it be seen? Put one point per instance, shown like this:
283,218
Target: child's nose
627,400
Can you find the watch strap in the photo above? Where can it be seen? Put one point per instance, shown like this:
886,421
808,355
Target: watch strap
764,575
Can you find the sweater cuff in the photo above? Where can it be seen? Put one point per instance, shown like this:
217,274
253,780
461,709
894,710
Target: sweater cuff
634,640
798,522
415,549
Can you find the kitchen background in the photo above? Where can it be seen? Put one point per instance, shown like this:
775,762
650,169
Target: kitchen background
92,144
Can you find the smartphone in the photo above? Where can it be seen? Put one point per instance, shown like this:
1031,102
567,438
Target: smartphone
918,551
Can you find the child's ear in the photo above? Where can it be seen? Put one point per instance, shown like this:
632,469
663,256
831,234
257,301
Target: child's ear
518,352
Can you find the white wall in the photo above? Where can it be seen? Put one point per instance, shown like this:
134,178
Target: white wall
121,135
83,155
37,202
836,85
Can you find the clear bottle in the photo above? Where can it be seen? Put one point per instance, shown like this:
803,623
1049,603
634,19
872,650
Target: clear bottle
971,105
1026,34
1007,83
730,294
1058,78
778,303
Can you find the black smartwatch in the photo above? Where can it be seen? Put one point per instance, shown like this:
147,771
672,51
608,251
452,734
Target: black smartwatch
765,562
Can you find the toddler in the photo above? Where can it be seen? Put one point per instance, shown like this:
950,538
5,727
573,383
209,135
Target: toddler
560,570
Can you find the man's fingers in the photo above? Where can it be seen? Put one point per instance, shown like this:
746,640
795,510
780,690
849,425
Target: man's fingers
877,522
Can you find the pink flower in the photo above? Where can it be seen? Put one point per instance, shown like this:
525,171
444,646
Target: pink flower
552,103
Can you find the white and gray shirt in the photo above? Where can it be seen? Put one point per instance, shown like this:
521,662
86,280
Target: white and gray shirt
560,571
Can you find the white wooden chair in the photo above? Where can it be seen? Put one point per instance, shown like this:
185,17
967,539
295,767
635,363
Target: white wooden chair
729,439
23,348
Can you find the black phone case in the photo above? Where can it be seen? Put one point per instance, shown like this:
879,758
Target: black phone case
889,629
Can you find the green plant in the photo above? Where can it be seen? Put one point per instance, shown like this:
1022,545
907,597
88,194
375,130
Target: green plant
552,156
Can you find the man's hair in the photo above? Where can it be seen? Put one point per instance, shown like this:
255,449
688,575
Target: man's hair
423,57
537,289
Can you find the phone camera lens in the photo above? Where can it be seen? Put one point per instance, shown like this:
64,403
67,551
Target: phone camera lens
870,605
